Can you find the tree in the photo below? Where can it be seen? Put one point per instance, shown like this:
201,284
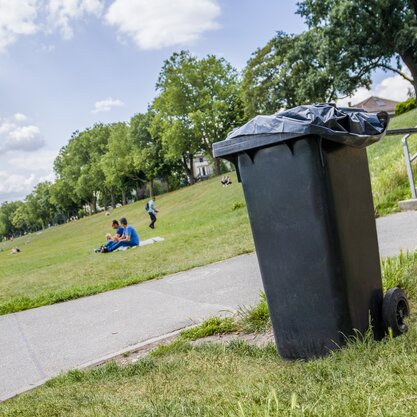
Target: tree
117,164
359,36
7,211
78,164
148,151
198,104
64,199
289,71
39,210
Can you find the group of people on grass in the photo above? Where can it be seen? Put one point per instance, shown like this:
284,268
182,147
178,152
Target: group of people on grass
126,235
225,181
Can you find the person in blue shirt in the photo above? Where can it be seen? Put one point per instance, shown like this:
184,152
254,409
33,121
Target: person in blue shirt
110,239
152,210
130,238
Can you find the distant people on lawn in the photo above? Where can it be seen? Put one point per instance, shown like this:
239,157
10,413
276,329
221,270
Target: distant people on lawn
152,210
226,181
129,238
113,238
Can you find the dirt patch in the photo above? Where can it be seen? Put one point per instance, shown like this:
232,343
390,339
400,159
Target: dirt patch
256,339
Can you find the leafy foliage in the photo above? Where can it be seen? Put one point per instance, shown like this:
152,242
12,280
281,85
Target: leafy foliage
359,36
405,106
198,104
288,71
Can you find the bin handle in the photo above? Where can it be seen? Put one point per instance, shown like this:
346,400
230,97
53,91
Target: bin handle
322,160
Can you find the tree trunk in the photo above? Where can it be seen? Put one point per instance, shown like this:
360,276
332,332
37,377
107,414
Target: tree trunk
192,177
105,202
113,200
137,191
411,63
93,205
217,166
123,197
151,188
189,170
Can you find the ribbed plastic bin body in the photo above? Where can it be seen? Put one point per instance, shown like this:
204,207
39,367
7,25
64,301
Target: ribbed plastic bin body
310,206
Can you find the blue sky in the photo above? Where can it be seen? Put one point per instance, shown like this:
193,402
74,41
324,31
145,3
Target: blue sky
67,64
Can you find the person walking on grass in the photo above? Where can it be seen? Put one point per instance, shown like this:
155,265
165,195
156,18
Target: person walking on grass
130,238
152,210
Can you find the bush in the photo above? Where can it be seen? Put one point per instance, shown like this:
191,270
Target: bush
405,106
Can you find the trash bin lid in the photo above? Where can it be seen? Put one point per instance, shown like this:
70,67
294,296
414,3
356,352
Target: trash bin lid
348,126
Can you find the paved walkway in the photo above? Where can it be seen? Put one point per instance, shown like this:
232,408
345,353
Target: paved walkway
38,344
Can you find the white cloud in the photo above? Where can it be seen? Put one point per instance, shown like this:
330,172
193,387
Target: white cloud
106,105
24,138
17,18
15,137
62,12
21,172
27,17
39,162
155,24
6,127
16,183
19,117
393,88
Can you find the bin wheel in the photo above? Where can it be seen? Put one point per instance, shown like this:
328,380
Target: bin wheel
395,309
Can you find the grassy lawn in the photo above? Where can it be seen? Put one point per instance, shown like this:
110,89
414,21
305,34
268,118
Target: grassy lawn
388,169
199,223
366,378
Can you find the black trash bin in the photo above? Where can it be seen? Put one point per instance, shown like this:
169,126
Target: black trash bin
307,187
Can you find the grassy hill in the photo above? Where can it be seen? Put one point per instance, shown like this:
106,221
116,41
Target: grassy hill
201,224
388,169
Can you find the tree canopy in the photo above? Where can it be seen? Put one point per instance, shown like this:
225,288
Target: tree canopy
359,36
198,104
288,71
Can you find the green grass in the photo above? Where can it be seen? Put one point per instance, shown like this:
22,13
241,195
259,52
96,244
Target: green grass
201,224
388,169
366,378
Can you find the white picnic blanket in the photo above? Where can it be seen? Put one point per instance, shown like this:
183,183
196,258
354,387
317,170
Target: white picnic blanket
143,243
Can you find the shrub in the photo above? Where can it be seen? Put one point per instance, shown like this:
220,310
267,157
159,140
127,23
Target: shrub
237,205
405,106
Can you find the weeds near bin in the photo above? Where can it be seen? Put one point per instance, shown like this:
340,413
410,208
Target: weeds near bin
255,319
401,271
212,326
237,205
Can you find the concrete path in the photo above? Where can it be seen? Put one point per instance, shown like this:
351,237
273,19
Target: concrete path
38,344
397,232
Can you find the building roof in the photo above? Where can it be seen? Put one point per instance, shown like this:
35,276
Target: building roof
375,104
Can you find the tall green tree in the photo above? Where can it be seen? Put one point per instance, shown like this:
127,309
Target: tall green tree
148,149
117,163
7,211
198,104
38,207
359,36
64,199
288,71
78,163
